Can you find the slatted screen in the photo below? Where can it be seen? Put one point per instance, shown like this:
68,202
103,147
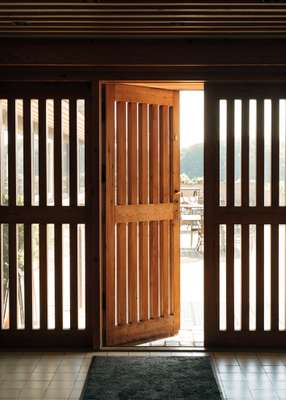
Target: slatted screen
43,214
142,218
245,175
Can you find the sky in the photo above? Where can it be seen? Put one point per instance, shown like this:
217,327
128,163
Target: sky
191,117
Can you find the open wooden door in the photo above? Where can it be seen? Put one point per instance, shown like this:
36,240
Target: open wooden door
245,218
142,213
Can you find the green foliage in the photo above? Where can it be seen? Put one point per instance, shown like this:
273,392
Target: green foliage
192,161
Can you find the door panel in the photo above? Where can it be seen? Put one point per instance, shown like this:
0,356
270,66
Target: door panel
245,214
142,213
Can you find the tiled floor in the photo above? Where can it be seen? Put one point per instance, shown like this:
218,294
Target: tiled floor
185,338
241,376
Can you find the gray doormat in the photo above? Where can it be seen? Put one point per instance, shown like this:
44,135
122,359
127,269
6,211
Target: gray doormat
151,378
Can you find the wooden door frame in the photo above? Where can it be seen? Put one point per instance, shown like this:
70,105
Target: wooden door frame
95,75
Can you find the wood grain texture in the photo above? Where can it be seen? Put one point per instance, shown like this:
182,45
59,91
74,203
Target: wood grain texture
133,179
154,199
110,241
141,179
143,199
144,213
121,188
175,297
164,197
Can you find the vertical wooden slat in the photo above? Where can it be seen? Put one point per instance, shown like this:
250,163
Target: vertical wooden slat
165,198
73,203
172,199
245,153
11,152
245,227
27,203
260,227
12,202
73,277
154,198
58,276
73,153
58,151
27,152
259,277
229,228
28,275
110,202
260,153
211,194
245,277
275,154
43,276
43,202
175,224
275,228
274,277
132,199
230,277
143,199
42,153
230,153
121,200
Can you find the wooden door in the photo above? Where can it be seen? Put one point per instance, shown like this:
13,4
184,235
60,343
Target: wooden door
142,213
44,198
245,214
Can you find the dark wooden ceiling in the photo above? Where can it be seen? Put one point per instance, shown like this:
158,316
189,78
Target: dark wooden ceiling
143,18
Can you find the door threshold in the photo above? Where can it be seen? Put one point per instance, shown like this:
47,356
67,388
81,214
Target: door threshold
197,349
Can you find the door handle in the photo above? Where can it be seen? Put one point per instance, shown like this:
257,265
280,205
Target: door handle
176,199
177,195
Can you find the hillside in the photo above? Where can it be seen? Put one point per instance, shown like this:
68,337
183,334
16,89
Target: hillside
192,162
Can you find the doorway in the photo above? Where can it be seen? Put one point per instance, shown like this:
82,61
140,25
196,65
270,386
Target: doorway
191,331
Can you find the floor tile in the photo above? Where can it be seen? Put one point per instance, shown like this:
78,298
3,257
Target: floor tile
32,393
241,376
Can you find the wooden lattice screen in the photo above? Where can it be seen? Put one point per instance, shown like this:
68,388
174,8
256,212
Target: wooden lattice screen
44,195
245,214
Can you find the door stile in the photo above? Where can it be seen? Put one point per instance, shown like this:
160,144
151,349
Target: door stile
110,188
211,254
